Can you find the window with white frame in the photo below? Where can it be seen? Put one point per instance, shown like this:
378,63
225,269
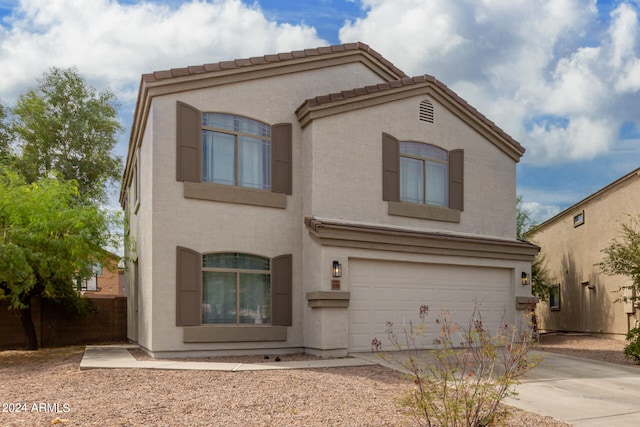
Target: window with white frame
236,289
236,151
424,174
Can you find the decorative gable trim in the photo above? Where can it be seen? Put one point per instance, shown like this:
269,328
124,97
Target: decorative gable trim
368,96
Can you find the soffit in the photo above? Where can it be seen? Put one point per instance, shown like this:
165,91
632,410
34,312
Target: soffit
364,236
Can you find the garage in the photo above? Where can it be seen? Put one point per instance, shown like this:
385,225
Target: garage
392,291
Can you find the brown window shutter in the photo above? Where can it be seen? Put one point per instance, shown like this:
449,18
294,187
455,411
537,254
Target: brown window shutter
456,179
390,168
281,173
188,286
189,140
281,286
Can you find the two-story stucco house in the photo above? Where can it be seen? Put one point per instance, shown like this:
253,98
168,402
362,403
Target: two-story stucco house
299,201
583,299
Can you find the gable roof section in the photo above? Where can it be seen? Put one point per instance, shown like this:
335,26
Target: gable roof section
634,174
339,102
277,59
225,72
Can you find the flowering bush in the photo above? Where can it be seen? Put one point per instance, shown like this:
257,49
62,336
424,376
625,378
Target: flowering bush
462,381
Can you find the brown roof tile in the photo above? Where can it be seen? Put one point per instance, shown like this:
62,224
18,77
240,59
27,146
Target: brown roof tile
258,60
179,72
243,62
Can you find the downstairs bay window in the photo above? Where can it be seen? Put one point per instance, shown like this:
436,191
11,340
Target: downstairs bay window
236,288
231,288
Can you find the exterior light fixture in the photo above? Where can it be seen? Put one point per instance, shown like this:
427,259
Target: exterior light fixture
337,269
525,279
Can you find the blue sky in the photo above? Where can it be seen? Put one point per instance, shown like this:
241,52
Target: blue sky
560,76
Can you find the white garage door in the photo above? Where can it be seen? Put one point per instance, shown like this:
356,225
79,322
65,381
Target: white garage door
383,291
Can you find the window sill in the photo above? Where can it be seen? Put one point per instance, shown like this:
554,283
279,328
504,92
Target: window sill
415,210
328,299
233,333
229,194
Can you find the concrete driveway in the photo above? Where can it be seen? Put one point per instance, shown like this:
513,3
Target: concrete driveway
582,392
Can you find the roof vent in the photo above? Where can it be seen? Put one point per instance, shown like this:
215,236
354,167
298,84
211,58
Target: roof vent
426,111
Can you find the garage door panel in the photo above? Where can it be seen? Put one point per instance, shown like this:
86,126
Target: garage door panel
384,291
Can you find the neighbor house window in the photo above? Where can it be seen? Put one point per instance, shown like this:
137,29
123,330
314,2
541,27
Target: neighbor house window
236,289
578,219
554,297
91,283
236,151
424,174
97,269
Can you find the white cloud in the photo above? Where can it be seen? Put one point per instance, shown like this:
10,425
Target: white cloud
539,212
582,139
521,63
542,70
112,44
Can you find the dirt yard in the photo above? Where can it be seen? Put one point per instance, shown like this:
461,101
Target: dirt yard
45,387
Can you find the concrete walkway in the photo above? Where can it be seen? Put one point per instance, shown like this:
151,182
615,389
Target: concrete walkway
582,392
118,357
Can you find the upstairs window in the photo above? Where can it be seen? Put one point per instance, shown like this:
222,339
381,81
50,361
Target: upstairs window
421,180
424,174
236,151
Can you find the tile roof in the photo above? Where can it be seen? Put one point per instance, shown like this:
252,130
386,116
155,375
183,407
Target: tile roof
267,59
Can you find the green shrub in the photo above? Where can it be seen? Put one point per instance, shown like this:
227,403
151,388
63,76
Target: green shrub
463,380
632,350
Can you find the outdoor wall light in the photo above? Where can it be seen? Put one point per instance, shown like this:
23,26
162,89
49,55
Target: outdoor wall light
525,279
337,269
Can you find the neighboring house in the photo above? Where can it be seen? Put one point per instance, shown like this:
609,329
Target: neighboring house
105,281
299,201
582,297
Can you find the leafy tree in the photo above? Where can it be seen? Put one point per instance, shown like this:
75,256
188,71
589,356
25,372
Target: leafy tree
540,277
66,127
622,257
48,239
524,221
4,136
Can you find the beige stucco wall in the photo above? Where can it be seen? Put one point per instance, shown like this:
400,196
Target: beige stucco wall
336,174
206,226
139,307
346,151
326,330
571,254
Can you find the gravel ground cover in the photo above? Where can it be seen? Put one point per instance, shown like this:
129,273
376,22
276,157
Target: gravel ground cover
46,388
